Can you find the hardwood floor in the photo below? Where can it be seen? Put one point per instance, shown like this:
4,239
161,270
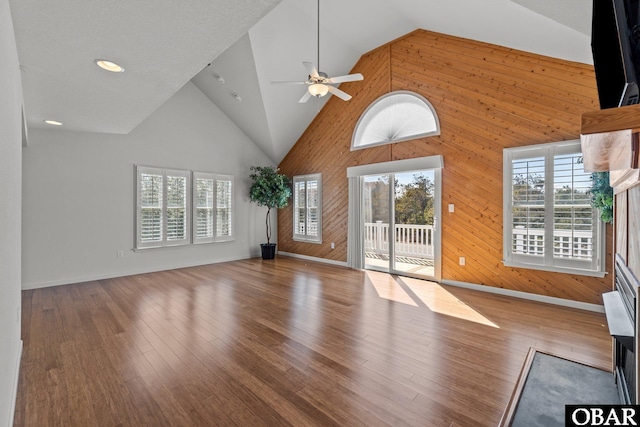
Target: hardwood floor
283,342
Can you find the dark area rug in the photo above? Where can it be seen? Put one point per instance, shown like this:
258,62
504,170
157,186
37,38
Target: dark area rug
553,382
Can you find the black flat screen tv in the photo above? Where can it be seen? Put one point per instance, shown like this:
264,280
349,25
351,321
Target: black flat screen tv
614,43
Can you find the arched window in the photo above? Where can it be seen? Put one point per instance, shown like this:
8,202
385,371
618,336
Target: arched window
397,116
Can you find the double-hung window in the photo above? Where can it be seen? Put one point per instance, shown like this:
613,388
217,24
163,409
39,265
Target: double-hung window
162,207
307,206
165,206
549,223
212,207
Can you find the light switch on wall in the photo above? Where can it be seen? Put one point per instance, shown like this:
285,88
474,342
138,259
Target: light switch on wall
451,207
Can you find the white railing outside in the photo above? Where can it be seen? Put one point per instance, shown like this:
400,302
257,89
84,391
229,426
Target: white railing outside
411,240
417,241
566,244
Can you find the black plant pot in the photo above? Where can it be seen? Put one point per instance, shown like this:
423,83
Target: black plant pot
268,250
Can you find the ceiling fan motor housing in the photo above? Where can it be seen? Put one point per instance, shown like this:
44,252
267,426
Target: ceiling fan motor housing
322,76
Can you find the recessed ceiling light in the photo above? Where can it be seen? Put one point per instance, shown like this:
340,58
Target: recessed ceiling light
237,97
105,64
53,122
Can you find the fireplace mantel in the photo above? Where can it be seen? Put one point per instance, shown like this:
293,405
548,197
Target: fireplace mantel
610,143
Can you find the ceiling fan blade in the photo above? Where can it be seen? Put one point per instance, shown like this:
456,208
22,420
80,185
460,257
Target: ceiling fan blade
305,97
340,94
349,78
289,83
313,71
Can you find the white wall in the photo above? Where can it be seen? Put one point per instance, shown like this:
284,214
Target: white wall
79,190
10,207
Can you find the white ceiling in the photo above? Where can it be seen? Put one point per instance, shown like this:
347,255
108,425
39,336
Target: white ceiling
161,44
249,44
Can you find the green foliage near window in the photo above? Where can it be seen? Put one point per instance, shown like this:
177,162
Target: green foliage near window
414,201
271,189
602,196
528,201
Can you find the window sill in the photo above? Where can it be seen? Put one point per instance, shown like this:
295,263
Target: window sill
181,245
148,248
299,239
213,242
553,269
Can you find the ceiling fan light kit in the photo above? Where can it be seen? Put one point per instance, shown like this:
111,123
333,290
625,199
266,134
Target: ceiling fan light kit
319,83
318,89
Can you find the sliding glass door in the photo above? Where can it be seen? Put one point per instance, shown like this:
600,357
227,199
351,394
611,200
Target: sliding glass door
399,226
376,205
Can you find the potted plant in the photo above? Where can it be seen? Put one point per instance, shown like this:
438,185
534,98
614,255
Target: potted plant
273,190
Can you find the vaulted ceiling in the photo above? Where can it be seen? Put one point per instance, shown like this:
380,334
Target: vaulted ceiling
233,50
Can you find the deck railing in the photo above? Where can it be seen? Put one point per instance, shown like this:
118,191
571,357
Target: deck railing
411,240
566,243
417,241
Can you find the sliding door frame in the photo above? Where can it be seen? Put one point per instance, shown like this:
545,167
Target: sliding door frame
355,242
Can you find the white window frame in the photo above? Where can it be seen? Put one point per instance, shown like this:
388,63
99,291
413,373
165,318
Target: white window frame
216,236
387,118
317,177
547,261
162,242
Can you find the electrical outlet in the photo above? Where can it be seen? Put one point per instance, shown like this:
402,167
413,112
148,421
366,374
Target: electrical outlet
463,261
333,245
452,208
120,254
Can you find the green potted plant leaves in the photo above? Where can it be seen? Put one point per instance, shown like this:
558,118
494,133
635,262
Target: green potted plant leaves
602,196
271,189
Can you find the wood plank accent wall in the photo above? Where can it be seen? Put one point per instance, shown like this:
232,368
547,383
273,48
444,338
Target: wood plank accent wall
487,98
633,230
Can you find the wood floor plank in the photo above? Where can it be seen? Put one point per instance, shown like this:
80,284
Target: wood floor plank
283,342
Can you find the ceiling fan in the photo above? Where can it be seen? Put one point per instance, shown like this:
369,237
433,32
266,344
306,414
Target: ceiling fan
319,83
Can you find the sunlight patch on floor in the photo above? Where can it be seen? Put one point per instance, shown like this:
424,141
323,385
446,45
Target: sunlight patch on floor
417,293
441,301
388,288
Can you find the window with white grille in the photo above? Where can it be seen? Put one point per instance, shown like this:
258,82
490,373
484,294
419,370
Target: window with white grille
307,208
212,207
163,207
203,208
549,223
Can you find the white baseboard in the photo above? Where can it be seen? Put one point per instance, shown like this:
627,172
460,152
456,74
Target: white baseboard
14,398
69,281
528,296
316,259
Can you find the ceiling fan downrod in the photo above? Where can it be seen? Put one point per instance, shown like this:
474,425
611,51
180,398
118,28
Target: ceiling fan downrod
319,83
318,36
